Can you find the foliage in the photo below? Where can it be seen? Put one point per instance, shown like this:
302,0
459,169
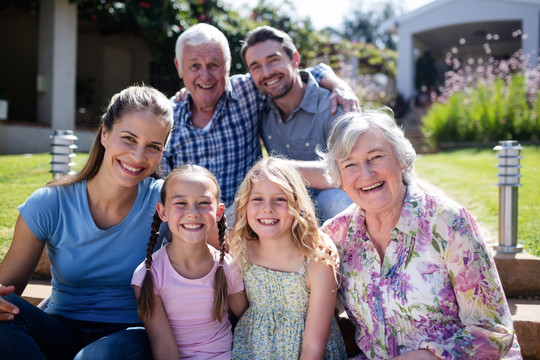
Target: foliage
365,55
468,176
373,75
160,23
304,36
493,101
366,26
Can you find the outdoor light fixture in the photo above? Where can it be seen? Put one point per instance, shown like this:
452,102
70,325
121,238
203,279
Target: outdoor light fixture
508,174
62,146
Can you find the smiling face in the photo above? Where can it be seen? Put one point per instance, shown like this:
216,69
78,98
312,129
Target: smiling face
268,211
371,175
133,147
204,71
191,207
273,71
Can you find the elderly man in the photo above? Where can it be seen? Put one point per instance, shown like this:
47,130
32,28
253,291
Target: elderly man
217,124
298,119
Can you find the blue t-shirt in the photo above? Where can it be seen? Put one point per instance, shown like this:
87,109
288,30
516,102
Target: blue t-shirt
91,268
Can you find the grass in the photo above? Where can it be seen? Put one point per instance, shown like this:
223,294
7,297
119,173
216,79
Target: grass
20,176
469,177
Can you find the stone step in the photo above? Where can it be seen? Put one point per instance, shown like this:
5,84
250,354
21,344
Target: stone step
526,317
37,290
525,314
519,273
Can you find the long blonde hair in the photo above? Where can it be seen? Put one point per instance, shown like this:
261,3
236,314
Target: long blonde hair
304,227
146,299
132,99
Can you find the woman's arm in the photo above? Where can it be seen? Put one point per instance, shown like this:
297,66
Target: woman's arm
322,302
159,331
18,265
238,303
22,257
483,310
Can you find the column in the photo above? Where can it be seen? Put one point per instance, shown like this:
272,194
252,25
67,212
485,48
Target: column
57,63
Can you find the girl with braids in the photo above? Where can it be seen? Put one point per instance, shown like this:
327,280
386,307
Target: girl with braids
289,269
185,288
93,225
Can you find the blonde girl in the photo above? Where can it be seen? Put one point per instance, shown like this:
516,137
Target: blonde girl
185,288
289,269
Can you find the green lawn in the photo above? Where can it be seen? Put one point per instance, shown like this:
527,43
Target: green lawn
469,177
20,176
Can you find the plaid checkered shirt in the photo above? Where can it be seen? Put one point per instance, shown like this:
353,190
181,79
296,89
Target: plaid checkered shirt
231,145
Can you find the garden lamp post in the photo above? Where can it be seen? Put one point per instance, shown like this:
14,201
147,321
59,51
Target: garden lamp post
508,174
62,146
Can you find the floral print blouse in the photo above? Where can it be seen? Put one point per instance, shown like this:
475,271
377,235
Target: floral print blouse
437,287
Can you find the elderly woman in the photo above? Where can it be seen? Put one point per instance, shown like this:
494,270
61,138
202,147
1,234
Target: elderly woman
417,279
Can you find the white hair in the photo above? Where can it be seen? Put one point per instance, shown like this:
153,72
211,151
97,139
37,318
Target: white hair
202,34
348,127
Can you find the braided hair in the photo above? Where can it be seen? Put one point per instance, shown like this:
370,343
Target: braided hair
220,281
145,300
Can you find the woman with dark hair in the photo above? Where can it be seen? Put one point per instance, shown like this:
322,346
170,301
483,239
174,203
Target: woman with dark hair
94,225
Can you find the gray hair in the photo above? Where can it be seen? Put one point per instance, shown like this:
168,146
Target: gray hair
348,127
199,35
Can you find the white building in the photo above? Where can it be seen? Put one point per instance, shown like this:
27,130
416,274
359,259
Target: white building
46,53
467,27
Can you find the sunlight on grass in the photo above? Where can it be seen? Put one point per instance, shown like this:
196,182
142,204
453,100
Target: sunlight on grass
469,177
20,176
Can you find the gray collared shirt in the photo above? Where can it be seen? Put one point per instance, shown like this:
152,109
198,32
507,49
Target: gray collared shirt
306,128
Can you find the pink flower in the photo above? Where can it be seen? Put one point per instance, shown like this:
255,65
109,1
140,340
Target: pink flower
467,279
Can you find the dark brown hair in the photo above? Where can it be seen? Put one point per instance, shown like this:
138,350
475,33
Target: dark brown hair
264,33
132,99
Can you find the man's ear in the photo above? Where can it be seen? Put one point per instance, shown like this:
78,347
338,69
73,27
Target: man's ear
160,208
220,211
178,68
296,59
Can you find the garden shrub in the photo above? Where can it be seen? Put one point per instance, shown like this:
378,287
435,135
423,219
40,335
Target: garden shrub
498,102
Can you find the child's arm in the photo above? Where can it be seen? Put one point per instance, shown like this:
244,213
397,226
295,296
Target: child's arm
238,303
322,302
159,331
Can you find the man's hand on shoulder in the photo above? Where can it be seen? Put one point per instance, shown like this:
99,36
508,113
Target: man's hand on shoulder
180,95
346,98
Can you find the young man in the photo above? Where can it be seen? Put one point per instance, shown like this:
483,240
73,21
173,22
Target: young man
298,119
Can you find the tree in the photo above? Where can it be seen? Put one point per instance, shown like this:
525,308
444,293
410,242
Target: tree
306,39
160,23
367,25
